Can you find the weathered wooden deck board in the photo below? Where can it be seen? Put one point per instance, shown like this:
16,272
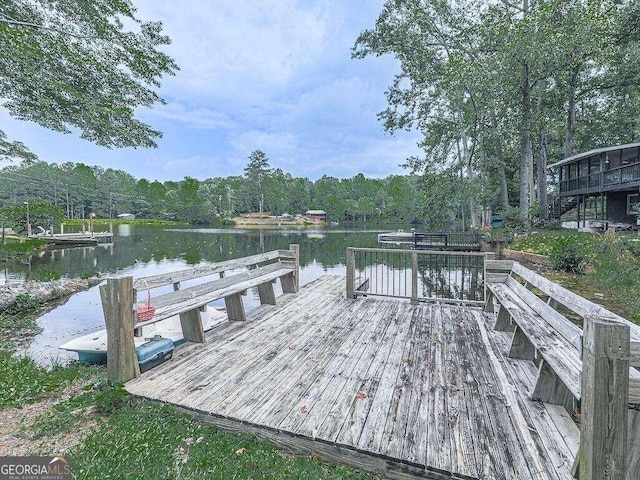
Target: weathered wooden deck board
407,389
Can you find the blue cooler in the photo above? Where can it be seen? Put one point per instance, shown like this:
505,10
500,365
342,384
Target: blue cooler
158,350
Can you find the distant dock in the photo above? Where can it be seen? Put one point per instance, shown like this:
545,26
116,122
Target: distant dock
76,239
463,241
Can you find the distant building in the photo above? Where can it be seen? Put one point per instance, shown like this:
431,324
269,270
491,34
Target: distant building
126,216
317,216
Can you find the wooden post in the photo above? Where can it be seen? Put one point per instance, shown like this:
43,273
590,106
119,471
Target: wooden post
235,308
291,283
351,272
488,256
605,394
266,294
296,248
414,278
117,305
192,329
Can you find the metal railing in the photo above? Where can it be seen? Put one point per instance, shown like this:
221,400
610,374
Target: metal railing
418,275
447,241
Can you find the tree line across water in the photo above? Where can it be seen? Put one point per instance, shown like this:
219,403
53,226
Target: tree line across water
75,190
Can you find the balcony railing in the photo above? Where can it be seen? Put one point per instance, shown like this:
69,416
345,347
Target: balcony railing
614,176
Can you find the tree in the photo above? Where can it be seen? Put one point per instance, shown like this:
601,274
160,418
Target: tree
41,214
80,65
255,172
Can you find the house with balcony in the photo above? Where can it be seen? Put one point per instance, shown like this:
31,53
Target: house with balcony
601,184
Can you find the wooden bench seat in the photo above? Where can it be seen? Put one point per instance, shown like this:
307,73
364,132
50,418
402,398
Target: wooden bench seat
235,278
558,361
174,303
541,333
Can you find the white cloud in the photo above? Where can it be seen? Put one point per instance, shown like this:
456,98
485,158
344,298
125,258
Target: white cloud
238,47
200,117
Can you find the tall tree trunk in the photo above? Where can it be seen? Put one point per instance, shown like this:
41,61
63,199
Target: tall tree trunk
542,158
502,171
466,156
526,148
542,176
571,113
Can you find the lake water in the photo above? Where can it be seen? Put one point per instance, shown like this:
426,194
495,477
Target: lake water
142,250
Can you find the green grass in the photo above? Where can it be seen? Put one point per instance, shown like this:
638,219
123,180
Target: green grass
20,246
138,439
25,382
126,438
117,221
154,441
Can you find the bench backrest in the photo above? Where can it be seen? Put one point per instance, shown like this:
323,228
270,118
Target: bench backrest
175,278
571,301
502,270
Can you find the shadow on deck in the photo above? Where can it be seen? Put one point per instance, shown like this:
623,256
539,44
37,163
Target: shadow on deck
403,390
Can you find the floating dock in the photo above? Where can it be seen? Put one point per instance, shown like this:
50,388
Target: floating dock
76,239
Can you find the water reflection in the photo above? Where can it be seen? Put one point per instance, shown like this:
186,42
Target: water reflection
149,250
146,250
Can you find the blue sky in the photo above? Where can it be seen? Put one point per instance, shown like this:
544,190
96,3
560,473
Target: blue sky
274,75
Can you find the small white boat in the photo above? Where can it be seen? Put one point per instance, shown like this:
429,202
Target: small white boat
92,348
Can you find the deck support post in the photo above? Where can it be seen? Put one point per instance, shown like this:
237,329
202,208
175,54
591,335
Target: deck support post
605,395
291,283
521,346
117,305
351,272
549,388
503,320
235,308
266,294
192,329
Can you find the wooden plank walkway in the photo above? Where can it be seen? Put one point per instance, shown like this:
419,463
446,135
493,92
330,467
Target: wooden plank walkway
404,390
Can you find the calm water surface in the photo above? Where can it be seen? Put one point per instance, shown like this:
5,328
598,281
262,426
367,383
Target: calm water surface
142,250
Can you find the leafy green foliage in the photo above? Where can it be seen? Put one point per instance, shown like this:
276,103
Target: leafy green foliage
40,214
494,89
77,190
71,64
24,302
513,219
613,278
568,256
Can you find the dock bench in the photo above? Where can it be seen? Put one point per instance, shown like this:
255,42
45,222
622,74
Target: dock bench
235,277
545,321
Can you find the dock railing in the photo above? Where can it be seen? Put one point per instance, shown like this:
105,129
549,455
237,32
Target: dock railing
418,275
462,241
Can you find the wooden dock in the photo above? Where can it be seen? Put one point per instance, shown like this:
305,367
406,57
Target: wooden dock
76,239
424,390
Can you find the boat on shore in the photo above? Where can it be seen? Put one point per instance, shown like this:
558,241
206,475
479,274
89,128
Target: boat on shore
92,348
